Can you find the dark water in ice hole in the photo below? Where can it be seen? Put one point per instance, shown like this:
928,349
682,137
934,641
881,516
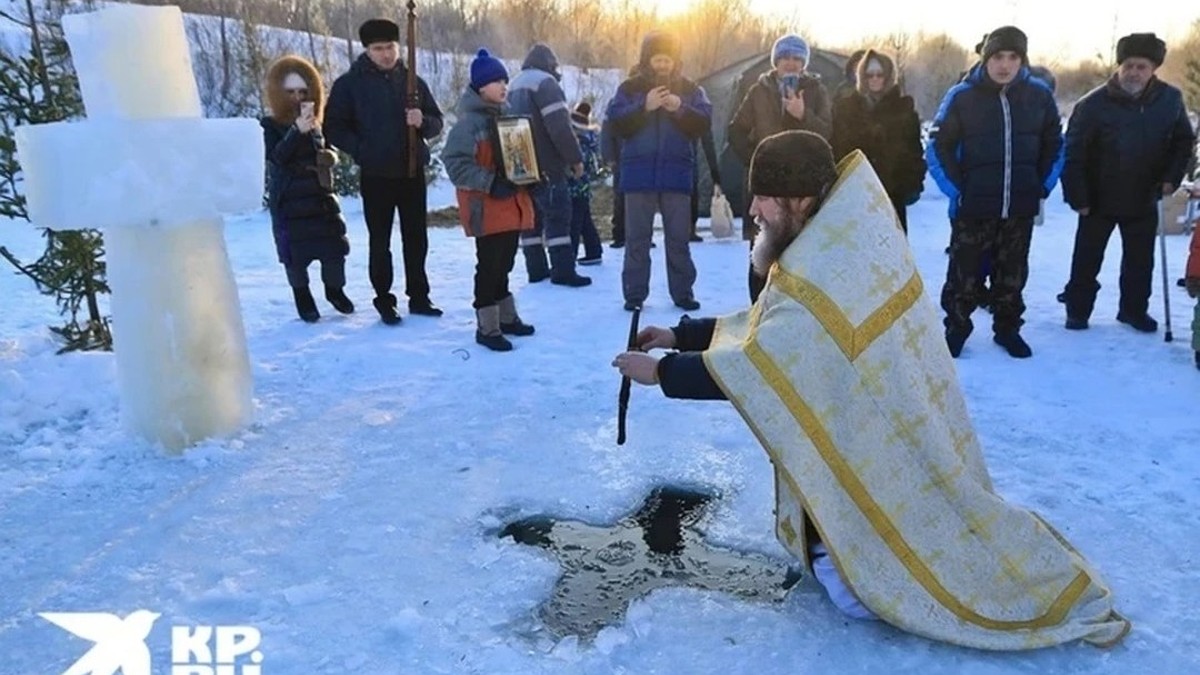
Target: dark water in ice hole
606,568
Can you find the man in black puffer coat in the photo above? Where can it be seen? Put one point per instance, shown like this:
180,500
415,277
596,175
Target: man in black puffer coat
369,117
1128,144
995,150
306,218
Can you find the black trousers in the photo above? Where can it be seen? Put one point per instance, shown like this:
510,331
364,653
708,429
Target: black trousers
494,257
382,198
972,242
901,213
1137,262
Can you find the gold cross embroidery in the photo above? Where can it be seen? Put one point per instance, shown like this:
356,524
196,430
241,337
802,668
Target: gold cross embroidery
1013,568
914,333
872,377
937,392
838,237
941,480
979,526
905,430
962,441
885,280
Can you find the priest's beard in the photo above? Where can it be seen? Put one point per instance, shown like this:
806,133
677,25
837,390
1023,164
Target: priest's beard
774,238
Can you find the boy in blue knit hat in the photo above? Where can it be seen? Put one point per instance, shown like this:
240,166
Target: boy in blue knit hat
492,209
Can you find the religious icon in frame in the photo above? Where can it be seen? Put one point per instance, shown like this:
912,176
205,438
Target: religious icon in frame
516,149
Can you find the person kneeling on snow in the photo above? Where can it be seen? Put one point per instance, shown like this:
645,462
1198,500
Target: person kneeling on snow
492,208
305,216
840,369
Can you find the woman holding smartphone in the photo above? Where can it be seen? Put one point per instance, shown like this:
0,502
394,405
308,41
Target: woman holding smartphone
306,218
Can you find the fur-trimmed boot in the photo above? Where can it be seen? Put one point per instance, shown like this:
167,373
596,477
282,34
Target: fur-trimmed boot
510,321
488,333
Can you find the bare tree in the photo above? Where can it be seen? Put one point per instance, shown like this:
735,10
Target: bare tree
936,64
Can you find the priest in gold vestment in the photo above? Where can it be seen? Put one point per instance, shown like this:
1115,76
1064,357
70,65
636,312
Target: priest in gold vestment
841,371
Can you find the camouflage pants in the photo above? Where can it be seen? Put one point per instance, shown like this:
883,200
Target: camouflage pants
1006,243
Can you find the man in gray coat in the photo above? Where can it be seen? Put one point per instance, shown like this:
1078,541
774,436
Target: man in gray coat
536,94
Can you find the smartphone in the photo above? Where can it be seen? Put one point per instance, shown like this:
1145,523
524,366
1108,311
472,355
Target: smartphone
307,109
662,80
791,84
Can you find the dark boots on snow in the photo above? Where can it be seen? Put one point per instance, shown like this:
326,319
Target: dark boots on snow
956,337
1142,323
386,306
306,306
337,298
1014,344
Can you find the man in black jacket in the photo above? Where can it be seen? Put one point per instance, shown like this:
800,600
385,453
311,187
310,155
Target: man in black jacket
994,151
1128,144
368,117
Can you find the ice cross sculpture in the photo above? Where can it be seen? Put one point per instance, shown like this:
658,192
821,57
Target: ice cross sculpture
155,176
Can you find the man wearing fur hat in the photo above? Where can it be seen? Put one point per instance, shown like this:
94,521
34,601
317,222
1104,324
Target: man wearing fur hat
306,218
995,151
786,97
1128,144
882,122
536,94
880,483
658,114
368,118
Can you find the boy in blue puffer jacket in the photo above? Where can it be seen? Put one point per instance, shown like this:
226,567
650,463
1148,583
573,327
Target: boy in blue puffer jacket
996,151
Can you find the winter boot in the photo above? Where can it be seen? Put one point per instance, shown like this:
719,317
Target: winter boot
535,263
562,268
956,337
1141,323
1197,360
386,306
488,334
1076,323
1014,344
688,304
306,306
337,298
424,307
510,321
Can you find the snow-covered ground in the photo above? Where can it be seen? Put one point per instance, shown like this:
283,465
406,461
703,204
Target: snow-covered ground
354,523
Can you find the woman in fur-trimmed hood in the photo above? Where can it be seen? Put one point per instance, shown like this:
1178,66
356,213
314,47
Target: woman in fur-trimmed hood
306,218
882,122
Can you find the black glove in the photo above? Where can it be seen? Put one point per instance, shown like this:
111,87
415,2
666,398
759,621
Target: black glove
502,188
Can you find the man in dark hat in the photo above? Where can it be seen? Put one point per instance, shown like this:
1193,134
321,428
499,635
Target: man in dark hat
368,117
866,428
658,114
1128,144
994,150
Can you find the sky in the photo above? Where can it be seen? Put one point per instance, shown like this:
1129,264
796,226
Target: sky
1058,31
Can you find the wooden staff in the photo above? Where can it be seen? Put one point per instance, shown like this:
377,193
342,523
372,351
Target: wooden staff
626,383
414,98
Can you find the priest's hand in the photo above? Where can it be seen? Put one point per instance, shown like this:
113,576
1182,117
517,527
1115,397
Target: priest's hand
655,337
414,117
639,367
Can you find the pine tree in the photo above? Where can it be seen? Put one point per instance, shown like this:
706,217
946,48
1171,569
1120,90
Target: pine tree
39,87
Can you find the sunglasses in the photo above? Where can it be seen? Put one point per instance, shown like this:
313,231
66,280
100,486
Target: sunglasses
301,92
